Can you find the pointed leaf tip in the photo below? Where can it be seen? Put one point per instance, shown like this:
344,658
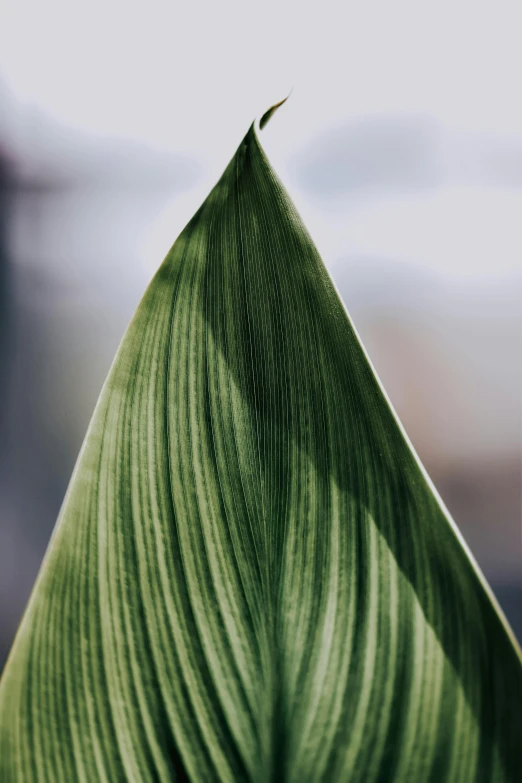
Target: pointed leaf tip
271,111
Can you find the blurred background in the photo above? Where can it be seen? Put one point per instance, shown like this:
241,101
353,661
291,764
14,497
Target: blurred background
401,147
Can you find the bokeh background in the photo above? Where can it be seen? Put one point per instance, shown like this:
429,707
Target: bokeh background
401,146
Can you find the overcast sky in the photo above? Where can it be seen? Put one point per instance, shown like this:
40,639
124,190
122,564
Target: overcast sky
189,77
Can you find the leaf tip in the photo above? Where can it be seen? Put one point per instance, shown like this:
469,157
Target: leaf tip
272,110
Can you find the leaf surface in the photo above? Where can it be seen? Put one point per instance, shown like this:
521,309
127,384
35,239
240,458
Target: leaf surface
252,578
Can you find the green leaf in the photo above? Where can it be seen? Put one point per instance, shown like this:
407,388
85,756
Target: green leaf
252,577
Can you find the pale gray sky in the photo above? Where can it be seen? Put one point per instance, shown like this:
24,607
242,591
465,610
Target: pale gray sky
189,77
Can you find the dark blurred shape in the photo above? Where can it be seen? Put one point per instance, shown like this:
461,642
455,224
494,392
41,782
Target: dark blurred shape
5,272
6,350
31,471
84,162
383,153
386,154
